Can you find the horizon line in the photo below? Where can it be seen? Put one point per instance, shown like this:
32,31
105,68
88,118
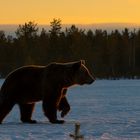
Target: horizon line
98,23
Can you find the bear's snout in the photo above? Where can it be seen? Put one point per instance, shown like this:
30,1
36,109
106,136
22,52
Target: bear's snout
91,80
88,81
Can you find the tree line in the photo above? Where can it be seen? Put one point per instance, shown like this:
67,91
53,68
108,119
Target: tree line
108,55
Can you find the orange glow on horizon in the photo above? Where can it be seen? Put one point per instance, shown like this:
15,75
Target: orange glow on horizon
70,12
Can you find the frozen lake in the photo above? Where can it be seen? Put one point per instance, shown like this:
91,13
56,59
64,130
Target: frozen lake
107,110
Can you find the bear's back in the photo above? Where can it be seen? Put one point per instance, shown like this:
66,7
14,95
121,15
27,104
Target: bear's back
21,79
26,72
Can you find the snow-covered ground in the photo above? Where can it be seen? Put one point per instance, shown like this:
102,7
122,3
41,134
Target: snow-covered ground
106,110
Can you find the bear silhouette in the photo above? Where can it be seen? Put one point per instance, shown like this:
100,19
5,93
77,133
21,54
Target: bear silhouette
29,84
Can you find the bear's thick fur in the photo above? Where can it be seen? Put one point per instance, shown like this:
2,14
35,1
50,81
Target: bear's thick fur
30,84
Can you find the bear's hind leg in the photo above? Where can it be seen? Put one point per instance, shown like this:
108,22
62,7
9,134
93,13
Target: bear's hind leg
5,108
26,111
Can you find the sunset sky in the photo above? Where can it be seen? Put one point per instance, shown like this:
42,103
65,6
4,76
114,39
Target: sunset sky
70,11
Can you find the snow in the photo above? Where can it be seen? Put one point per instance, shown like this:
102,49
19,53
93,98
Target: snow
106,110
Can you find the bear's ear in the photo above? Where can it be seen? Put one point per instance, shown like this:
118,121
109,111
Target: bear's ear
83,62
77,65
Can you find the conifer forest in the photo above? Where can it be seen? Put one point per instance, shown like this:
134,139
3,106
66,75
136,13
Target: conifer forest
108,55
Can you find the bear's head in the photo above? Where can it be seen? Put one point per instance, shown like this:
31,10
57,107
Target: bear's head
77,74
81,73
69,74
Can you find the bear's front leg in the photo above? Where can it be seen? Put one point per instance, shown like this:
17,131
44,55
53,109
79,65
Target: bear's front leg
50,111
64,107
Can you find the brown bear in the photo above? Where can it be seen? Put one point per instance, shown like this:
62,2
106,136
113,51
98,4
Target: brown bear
29,84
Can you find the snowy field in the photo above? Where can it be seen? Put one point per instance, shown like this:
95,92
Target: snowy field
107,110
